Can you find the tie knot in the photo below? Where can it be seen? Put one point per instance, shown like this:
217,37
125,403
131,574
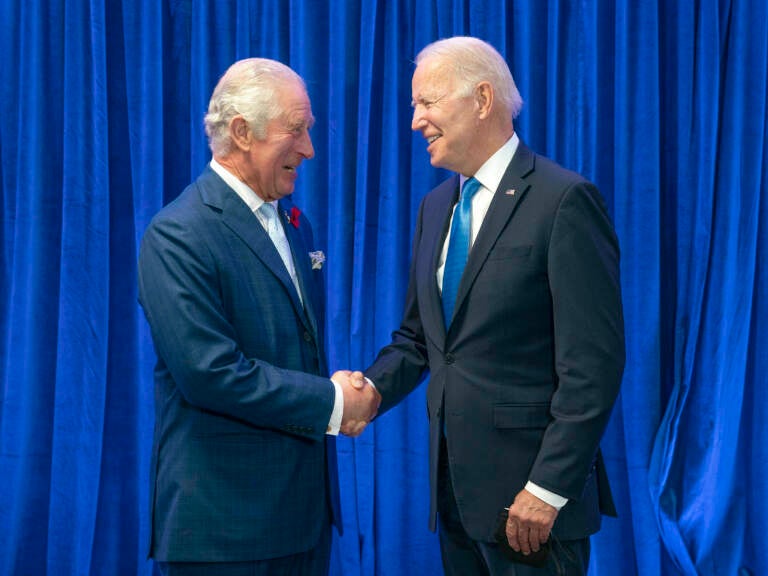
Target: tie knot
268,210
471,185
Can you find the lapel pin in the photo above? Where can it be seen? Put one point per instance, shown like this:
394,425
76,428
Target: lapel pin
510,192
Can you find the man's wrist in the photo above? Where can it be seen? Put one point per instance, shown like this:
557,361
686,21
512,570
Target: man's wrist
334,424
554,500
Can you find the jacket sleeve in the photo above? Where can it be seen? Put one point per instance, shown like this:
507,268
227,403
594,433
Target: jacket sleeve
583,270
400,366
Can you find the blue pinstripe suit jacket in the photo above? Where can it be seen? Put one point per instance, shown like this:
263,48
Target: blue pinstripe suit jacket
241,466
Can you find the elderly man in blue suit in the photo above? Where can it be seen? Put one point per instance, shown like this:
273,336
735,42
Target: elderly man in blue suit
230,280
514,307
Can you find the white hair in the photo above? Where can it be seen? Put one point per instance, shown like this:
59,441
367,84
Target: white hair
471,61
249,88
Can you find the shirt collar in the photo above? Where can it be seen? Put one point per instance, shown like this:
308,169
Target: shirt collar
492,171
245,192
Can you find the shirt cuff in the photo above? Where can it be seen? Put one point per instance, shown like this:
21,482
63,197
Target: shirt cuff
550,498
338,411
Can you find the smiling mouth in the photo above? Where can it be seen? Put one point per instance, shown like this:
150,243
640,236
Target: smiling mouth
431,139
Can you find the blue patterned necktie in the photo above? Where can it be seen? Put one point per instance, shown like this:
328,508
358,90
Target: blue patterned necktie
277,234
458,248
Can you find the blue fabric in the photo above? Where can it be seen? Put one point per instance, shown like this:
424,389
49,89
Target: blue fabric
458,247
664,105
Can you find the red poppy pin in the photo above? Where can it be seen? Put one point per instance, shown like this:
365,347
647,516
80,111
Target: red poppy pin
293,218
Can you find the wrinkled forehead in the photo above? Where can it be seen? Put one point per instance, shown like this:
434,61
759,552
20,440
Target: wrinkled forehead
432,76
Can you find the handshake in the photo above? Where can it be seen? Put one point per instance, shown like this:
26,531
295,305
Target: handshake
361,401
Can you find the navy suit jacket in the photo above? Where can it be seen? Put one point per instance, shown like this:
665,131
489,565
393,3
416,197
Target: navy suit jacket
240,469
525,377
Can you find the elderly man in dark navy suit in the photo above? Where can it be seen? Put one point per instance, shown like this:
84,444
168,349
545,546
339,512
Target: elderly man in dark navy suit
243,467
514,308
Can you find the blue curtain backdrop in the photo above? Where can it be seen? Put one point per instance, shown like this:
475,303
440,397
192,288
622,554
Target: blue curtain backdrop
662,103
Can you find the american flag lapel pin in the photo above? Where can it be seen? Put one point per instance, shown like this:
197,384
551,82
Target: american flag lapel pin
510,192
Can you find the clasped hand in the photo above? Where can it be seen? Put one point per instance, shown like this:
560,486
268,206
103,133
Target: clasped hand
361,401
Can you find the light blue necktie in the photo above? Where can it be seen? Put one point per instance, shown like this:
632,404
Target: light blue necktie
458,248
277,235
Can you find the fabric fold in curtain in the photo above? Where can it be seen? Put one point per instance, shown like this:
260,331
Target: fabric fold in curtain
662,104
705,454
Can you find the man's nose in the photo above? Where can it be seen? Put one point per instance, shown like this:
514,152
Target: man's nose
418,122
305,146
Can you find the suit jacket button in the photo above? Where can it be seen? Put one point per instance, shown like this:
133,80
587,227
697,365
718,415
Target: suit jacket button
449,358
307,336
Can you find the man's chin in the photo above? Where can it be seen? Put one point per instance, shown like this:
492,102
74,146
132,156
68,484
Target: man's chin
436,161
286,189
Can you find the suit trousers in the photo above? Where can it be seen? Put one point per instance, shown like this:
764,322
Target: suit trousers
463,556
313,562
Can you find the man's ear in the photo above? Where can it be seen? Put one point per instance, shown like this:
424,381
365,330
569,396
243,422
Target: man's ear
484,99
240,133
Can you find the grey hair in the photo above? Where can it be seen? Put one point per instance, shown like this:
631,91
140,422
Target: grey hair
471,61
249,88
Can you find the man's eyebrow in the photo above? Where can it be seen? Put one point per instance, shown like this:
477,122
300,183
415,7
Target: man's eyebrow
301,122
428,98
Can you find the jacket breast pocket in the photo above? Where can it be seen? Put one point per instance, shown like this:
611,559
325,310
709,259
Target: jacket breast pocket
501,252
521,416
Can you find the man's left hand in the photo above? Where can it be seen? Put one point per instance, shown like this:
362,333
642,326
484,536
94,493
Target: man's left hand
529,522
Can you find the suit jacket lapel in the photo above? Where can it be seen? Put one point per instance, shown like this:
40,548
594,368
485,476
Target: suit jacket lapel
301,264
436,226
510,192
236,215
